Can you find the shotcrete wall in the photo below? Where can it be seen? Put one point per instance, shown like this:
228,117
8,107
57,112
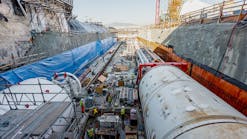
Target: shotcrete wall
208,44
48,43
54,43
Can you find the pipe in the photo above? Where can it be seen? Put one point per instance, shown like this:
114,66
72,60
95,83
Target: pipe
22,9
62,76
176,106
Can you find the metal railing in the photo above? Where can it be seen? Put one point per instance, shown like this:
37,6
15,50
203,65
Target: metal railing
17,62
226,11
15,99
69,2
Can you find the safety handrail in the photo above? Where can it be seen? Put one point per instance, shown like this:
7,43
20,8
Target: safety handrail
220,10
70,2
233,10
16,62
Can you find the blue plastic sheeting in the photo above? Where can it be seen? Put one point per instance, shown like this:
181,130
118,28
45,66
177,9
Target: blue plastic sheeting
68,61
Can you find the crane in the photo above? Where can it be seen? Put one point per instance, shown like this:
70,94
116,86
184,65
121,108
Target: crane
173,10
157,12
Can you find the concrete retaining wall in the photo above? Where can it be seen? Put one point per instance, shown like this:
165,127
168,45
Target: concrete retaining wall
207,44
49,43
54,43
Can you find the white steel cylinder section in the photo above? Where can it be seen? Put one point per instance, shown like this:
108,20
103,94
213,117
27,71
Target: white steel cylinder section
176,106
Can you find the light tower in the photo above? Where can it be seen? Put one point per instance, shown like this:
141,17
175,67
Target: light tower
157,13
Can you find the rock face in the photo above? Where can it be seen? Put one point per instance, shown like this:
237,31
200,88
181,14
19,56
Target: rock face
12,33
208,44
42,29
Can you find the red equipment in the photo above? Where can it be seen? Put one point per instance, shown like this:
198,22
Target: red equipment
181,65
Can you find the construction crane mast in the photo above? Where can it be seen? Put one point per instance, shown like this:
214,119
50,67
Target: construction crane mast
173,11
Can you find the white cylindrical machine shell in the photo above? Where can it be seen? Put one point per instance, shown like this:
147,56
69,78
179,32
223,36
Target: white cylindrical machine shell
29,92
176,106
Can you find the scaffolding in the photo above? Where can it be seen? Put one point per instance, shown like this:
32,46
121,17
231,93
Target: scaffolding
24,98
66,5
36,91
173,12
41,108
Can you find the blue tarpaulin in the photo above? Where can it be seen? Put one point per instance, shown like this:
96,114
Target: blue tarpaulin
68,61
